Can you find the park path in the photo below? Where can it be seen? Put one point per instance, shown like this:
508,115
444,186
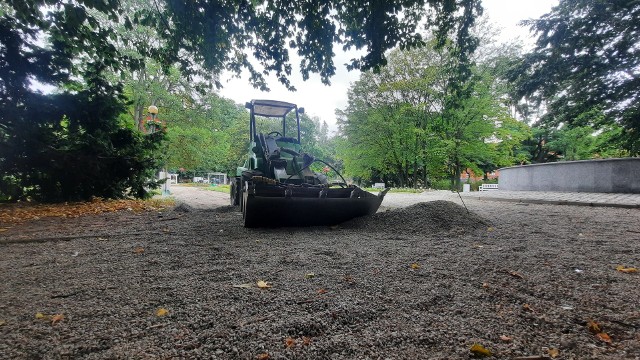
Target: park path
199,198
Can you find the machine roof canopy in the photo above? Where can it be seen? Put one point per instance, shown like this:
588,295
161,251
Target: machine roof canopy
271,108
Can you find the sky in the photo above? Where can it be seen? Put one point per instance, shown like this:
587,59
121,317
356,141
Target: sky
322,101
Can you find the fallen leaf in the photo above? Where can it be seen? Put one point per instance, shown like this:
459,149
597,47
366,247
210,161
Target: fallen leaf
162,312
24,211
553,352
138,250
527,307
243,286
322,291
479,350
56,318
2,322
3,229
415,266
306,341
263,356
40,316
485,285
289,342
626,270
490,229
505,338
604,337
593,326
309,276
516,274
263,284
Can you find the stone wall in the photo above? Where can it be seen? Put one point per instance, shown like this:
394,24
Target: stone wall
605,176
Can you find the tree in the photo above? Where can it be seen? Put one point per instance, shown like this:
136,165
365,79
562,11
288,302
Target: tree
69,145
416,120
586,59
73,46
221,34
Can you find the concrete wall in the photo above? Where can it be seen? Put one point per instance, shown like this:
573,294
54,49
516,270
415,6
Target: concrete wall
605,176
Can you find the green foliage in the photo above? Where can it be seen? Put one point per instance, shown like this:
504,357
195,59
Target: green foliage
106,58
69,145
415,122
224,34
586,59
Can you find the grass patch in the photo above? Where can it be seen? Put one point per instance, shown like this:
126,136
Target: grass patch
398,190
219,188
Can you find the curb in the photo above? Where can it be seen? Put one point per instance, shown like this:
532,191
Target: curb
555,202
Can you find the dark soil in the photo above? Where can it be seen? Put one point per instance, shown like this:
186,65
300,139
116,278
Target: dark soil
535,274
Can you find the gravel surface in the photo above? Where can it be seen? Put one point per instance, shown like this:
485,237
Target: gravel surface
424,282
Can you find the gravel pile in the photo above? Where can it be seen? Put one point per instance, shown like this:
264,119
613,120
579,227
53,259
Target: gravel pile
425,217
528,285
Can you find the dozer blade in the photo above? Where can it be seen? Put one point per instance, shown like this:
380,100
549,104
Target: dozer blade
278,207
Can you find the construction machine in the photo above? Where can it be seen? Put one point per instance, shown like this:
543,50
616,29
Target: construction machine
276,185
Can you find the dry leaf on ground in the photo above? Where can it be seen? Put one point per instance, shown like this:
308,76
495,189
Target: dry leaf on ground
263,284
553,352
479,350
527,307
162,312
604,337
626,270
2,322
309,275
306,341
516,274
593,326
138,250
289,342
21,212
56,318
40,315
322,291
505,338
415,266
263,356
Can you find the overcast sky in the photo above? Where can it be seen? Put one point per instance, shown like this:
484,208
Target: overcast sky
321,101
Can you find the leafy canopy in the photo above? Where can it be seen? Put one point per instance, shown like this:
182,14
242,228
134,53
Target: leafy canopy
587,58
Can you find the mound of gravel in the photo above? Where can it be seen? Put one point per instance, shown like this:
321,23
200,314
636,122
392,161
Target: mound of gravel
183,208
227,209
426,217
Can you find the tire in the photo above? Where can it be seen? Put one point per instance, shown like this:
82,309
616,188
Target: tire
241,192
234,194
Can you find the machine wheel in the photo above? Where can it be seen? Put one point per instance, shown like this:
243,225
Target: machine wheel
241,191
234,194
244,206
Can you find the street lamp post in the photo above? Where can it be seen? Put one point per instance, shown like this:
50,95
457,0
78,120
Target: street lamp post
153,110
